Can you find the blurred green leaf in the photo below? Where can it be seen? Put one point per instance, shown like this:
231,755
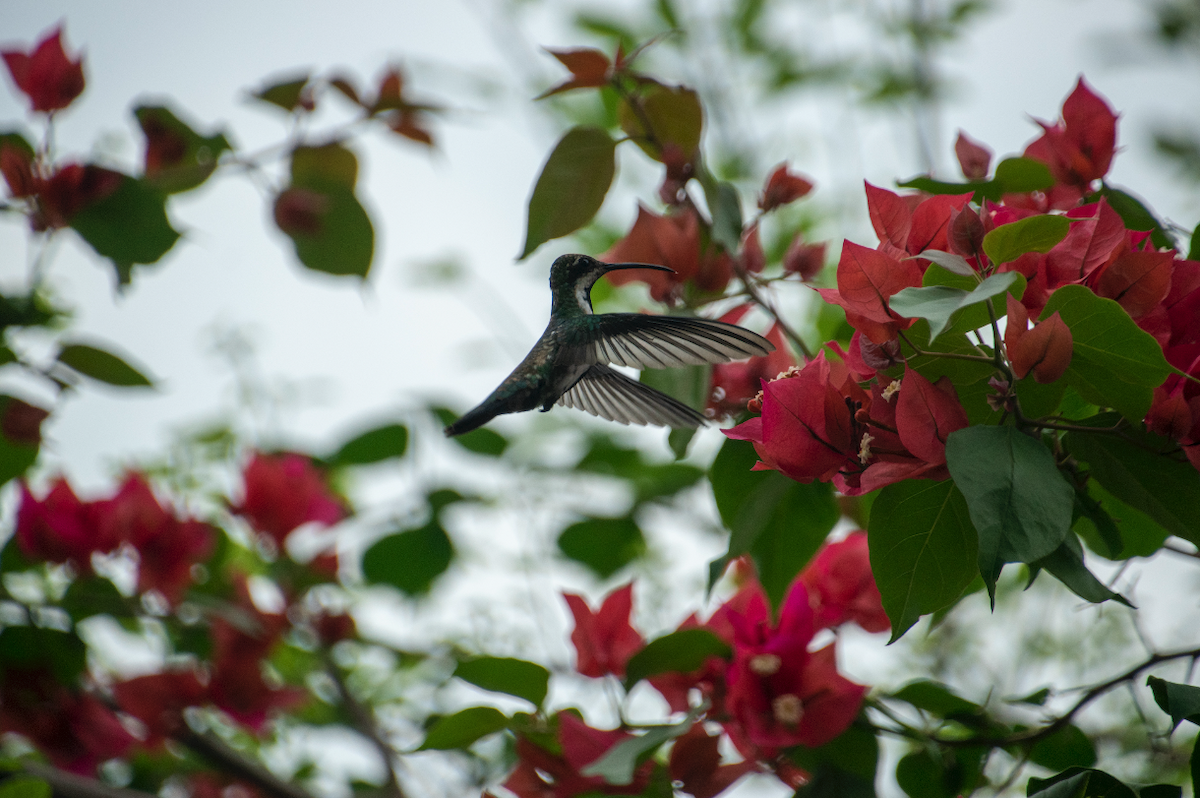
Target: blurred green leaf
24,787
1180,701
618,764
102,365
463,728
515,677
283,93
32,647
604,545
128,226
1137,216
571,187
937,699
682,651
177,157
663,118
844,767
1067,747
372,446
410,560
95,595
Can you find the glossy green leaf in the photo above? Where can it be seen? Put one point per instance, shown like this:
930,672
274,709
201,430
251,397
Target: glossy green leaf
463,728
128,226
515,677
924,550
410,560
102,366
604,545
1144,472
938,303
1066,563
1022,175
480,441
844,767
670,117
1114,362
779,522
948,261
1018,501
1067,747
1137,216
682,651
1180,701
571,187
937,699
182,158
283,94
373,446
1008,242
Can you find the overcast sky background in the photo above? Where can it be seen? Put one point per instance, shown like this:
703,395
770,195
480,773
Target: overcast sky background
357,353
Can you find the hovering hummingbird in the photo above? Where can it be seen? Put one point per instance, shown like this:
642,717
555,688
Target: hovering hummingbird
569,364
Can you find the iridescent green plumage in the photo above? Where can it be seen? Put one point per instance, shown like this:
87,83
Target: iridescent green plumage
569,364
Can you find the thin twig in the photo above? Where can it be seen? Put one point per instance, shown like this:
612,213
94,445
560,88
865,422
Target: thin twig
758,299
367,725
70,785
231,761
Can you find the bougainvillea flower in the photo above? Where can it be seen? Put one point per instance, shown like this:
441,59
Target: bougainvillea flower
61,528
974,159
672,241
47,76
76,731
239,649
804,259
709,679
589,68
284,491
866,279
542,774
167,547
842,588
782,187
1079,148
158,701
604,640
733,384
695,763
780,693
1045,350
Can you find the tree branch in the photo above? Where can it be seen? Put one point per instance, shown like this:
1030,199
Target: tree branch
231,761
365,722
70,785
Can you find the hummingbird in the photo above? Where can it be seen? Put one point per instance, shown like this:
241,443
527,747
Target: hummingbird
570,364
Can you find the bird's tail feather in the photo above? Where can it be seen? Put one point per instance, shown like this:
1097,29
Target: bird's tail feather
472,419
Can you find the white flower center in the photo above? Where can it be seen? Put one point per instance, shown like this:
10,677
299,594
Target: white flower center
787,709
765,664
864,447
890,391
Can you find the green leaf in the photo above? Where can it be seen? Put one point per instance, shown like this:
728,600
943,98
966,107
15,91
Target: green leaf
1067,747
515,677
32,647
283,94
1066,563
1078,782
779,522
726,208
480,441
844,767
328,166
1021,176
605,545
14,139
938,303
1113,529
334,234
1137,216
20,437
1194,244
924,550
463,728
95,595
1018,501
1180,701
184,158
128,226
102,366
571,187
682,651
1114,362
24,787
674,116
618,764
1144,472
409,560
1008,242
938,699
948,261
373,446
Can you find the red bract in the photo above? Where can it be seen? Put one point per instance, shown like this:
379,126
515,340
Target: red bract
866,279
284,491
973,158
780,693
158,701
781,188
60,528
75,730
46,75
1045,350
804,259
240,645
589,68
696,763
1079,148
733,384
842,588
167,547
604,641
672,241
541,774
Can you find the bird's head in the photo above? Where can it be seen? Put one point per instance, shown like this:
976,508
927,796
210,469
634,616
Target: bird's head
576,274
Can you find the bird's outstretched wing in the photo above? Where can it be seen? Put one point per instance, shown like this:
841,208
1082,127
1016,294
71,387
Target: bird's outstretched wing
609,394
659,342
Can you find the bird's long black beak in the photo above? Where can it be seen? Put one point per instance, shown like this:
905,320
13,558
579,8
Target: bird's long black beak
612,267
